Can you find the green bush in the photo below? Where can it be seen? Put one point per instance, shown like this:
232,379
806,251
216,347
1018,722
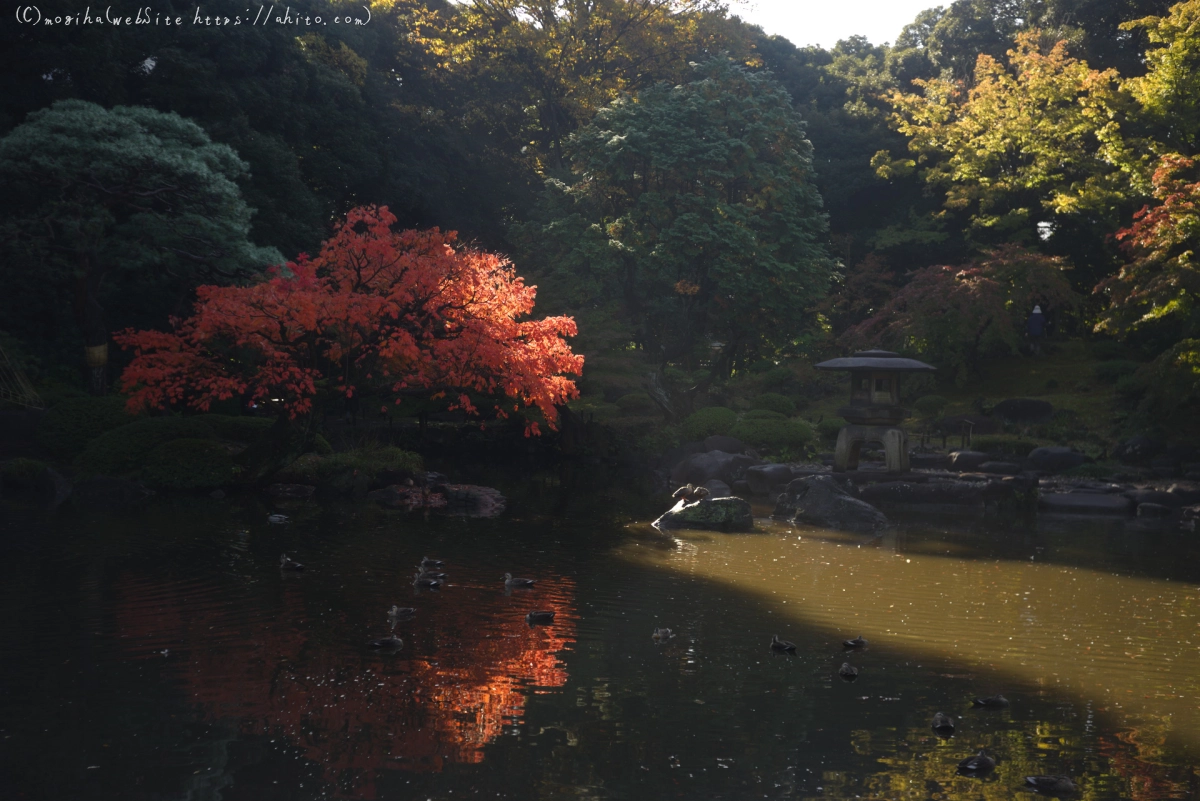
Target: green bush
1112,371
67,428
321,446
22,474
1106,350
1130,387
188,464
774,402
830,427
773,434
999,443
931,406
237,427
124,450
707,422
763,414
355,469
637,403
778,377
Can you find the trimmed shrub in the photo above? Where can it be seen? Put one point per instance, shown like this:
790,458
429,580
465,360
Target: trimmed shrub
830,427
637,403
997,443
774,402
773,434
1112,371
777,377
763,414
931,406
355,470
124,450
706,422
67,428
237,427
321,446
189,464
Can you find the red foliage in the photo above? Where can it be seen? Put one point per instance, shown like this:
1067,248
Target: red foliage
395,312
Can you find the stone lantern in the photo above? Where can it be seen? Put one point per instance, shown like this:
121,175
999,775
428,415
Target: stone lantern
874,411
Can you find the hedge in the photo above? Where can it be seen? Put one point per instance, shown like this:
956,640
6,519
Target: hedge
67,428
189,464
773,401
707,422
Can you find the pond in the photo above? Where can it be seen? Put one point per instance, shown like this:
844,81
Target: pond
162,654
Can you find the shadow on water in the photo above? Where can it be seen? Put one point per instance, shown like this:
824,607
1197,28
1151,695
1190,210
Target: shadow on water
163,655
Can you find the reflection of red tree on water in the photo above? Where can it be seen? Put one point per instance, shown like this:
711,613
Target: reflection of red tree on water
1139,754
349,710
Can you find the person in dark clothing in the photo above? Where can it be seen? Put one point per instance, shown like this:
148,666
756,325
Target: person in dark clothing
1036,328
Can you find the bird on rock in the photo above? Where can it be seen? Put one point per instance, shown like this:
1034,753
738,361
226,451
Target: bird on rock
691,493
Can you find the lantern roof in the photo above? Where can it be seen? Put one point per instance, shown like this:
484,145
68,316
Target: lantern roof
877,361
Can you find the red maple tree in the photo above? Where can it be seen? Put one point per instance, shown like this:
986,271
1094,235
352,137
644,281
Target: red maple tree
390,312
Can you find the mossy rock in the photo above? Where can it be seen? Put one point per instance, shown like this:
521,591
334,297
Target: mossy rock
185,464
23,474
636,404
67,427
354,472
773,434
707,422
774,402
124,450
763,414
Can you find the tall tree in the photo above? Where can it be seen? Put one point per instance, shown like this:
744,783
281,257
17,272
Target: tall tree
696,206
125,200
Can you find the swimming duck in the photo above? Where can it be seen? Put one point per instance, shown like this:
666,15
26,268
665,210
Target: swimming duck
509,581
433,574
1051,785
397,612
992,702
848,672
782,646
536,617
943,723
278,519
426,562
285,563
980,763
427,583
857,642
662,635
390,642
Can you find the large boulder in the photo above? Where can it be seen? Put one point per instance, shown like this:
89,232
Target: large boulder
1012,497
108,494
1138,450
720,442
1023,410
712,514
823,501
928,461
1055,459
1001,468
1085,503
762,477
717,488
966,461
701,467
1140,496
471,500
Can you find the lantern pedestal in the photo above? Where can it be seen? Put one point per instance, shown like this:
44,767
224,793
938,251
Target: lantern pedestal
853,437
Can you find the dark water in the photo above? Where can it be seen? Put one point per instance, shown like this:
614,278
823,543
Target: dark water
162,655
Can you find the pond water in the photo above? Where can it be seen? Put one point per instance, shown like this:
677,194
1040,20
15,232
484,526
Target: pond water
163,655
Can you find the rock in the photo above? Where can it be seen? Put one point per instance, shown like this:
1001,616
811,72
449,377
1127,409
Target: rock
108,494
1191,512
1012,496
720,442
1023,410
290,491
1154,510
402,496
675,455
742,489
470,500
965,461
1055,459
1157,497
433,479
762,477
702,467
1001,468
823,501
928,461
1185,494
1087,503
717,488
712,514
1138,450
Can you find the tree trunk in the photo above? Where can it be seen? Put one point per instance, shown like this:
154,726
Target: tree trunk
90,317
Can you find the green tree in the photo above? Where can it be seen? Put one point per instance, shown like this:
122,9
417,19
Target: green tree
695,205
101,202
